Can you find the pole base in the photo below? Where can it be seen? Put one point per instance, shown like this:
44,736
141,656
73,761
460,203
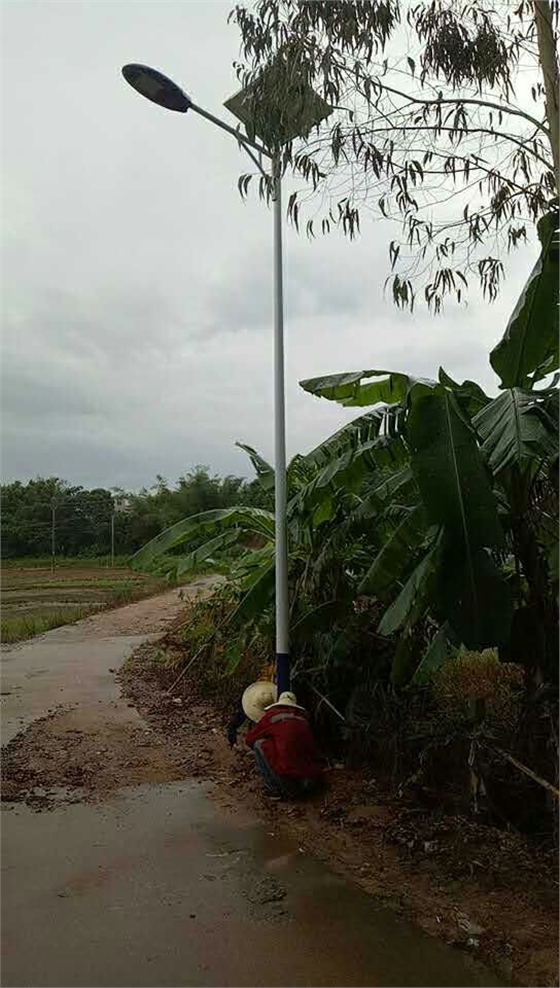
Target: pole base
282,672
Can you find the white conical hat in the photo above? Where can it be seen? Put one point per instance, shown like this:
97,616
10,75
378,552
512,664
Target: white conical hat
256,697
287,699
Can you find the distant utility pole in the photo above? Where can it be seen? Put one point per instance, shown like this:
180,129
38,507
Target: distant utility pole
120,503
53,533
113,538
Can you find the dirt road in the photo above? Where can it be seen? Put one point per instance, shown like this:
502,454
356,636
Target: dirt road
152,883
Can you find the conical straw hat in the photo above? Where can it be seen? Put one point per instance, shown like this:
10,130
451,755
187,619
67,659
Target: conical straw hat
256,697
287,699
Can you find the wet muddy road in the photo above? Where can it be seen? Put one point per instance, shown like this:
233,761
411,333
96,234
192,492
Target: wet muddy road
159,885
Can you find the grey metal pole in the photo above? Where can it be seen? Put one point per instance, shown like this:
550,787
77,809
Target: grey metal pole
113,539
239,137
281,555
280,499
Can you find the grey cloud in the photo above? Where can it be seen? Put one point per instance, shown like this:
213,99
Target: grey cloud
27,397
137,301
320,279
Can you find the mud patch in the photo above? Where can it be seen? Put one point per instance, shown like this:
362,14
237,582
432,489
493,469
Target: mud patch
86,753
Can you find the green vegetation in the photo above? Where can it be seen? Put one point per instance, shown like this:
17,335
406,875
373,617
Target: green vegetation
438,506
34,600
424,529
17,629
82,518
65,562
423,536
444,119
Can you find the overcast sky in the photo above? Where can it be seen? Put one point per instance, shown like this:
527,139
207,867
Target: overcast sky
137,294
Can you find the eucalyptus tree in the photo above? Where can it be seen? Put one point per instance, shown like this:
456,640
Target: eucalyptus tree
445,121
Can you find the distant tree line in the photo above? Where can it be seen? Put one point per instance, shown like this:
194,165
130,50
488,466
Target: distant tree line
83,517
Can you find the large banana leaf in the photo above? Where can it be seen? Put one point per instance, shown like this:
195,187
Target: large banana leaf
350,436
264,471
475,597
299,473
516,427
456,493
203,552
356,388
346,472
528,351
394,557
324,512
245,566
411,597
436,655
209,523
399,481
469,394
448,467
258,593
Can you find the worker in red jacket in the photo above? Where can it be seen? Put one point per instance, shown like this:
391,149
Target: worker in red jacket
284,750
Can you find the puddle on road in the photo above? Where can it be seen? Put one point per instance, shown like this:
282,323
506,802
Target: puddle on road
200,896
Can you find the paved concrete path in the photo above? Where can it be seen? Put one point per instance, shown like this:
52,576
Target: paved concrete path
75,664
160,886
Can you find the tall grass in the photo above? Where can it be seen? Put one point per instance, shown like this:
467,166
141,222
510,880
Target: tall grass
16,629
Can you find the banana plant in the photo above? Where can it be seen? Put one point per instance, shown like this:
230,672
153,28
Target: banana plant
477,464
439,503
323,494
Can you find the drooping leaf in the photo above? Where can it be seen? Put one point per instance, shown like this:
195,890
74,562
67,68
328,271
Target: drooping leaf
208,523
234,653
399,481
469,394
448,467
264,471
350,436
203,552
259,591
529,350
347,472
393,558
324,512
246,565
475,597
416,586
356,388
516,427
298,474
436,655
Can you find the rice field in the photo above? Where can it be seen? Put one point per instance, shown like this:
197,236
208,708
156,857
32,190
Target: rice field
34,598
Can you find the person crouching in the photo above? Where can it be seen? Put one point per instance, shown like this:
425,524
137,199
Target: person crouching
285,753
